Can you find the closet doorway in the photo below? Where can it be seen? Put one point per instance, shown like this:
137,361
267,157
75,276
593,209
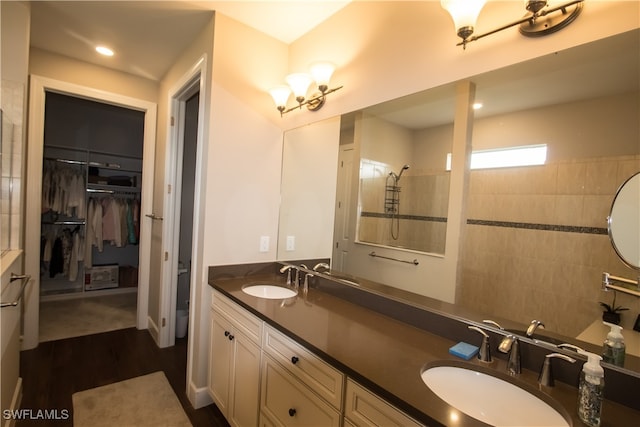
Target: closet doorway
90,162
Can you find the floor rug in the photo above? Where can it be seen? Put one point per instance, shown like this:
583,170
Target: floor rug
142,401
86,316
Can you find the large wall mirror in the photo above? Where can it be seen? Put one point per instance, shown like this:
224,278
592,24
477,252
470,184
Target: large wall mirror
403,181
534,237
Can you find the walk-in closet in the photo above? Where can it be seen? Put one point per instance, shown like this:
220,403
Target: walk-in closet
90,229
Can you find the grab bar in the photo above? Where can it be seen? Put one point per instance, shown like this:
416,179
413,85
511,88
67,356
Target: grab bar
25,279
373,254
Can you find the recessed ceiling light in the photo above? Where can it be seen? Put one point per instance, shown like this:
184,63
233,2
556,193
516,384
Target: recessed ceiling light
103,50
477,105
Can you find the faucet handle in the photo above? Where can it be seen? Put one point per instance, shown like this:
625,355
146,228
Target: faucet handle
287,269
546,373
492,323
484,354
305,285
570,347
511,345
535,324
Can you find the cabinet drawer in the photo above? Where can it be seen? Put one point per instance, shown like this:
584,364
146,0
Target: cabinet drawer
245,322
288,402
365,409
309,368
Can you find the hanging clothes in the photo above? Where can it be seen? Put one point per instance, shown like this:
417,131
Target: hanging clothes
63,189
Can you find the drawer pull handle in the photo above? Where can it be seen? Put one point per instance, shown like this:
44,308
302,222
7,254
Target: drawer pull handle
292,412
231,337
294,359
227,333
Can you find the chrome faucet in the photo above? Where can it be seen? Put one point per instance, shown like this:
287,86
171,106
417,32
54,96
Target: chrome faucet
546,373
287,269
535,324
324,265
484,354
511,345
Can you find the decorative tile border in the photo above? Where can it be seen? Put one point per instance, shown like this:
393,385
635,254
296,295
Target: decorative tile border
506,224
410,217
544,227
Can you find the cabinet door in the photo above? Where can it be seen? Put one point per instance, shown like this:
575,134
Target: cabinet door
288,402
220,355
245,383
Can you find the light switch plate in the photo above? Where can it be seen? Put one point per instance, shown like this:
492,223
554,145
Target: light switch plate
264,244
291,243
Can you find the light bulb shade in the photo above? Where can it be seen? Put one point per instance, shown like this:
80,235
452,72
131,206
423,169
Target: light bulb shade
464,12
322,72
299,83
280,95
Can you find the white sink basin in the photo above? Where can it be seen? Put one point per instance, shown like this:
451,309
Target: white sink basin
269,291
490,399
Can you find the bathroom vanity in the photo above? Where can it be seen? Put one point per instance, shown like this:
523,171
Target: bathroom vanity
338,357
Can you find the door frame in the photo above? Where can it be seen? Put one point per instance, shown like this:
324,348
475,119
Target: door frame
38,87
190,83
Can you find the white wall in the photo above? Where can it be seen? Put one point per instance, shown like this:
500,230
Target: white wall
385,50
242,177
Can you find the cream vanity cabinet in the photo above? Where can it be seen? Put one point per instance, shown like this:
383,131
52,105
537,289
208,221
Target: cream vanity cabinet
234,361
259,376
363,408
298,388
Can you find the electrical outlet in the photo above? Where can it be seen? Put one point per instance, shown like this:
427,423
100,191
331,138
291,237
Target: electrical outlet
264,244
291,243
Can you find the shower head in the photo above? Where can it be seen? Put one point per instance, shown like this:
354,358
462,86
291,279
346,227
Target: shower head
404,168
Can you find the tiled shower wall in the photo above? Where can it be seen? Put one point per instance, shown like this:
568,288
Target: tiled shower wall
536,244
422,212
12,160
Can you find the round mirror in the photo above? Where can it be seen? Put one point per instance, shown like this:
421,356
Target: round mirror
624,222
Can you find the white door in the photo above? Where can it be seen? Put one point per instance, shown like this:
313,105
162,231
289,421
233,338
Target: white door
39,86
168,243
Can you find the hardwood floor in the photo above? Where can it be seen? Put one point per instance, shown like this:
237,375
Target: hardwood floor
55,370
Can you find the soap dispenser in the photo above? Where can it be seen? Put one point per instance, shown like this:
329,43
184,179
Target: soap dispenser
614,349
591,390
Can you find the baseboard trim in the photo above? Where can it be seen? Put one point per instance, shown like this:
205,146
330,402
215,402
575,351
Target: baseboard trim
153,330
198,396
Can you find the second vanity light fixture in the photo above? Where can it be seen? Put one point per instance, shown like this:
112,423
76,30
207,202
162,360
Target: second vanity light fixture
320,74
539,20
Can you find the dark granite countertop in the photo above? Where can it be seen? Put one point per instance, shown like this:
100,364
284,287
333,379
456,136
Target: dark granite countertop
387,355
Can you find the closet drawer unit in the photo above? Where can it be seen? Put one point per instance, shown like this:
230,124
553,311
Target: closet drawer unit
285,401
309,368
365,409
245,322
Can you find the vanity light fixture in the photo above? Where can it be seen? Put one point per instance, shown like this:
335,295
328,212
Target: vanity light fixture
539,20
298,83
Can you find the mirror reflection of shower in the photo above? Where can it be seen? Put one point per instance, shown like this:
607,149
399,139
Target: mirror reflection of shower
392,200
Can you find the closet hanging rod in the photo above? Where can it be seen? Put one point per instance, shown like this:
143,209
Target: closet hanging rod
414,262
64,222
88,151
82,162
98,190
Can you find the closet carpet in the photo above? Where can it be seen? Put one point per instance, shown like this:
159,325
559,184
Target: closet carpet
55,370
61,319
